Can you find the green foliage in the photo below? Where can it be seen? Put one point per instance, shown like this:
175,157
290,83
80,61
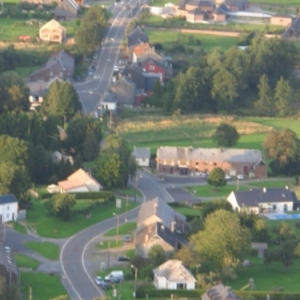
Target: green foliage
61,100
24,261
85,195
226,135
157,255
283,97
216,178
8,294
61,205
282,147
213,205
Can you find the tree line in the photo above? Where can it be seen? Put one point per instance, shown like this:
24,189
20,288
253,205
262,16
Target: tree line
257,81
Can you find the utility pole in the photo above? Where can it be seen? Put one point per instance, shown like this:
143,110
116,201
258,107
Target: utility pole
30,293
108,246
117,236
3,233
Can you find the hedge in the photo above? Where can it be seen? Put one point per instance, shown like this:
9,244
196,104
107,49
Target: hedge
258,295
85,195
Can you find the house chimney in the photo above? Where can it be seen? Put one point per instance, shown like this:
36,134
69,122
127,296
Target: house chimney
162,227
264,190
173,226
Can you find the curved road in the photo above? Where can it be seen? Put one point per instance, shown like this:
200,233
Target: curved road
79,284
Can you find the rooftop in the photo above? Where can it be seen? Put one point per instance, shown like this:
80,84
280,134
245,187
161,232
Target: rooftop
9,198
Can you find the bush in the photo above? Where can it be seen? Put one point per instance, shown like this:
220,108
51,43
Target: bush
87,195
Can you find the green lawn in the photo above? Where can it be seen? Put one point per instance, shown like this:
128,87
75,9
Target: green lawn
272,184
43,286
20,228
50,226
82,204
26,71
130,192
105,245
24,261
46,249
291,223
266,278
189,211
209,191
126,228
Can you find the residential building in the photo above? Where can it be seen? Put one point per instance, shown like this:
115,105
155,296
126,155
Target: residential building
142,156
109,102
219,292
8,268
195,16
234,162
266,200
157,210
79,181
135,37
150,66
125,91
281,19
60,65
52,32
66,10
173,275
157,234
8,208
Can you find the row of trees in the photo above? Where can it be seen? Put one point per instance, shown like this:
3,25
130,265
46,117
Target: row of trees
231,80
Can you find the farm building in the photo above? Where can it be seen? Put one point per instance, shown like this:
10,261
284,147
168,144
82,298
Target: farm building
52,32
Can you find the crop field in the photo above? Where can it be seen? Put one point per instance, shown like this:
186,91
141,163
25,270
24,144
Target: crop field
167,39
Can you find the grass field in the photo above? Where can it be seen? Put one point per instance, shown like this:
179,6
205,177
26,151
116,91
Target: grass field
24,261
82,204
208,42
50,226
20,228
130,192
46,249
188,211
43,286
291,223
273,184
126,228
105,245
209,191
266,278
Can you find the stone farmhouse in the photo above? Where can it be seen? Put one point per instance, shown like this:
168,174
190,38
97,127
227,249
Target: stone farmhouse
234,162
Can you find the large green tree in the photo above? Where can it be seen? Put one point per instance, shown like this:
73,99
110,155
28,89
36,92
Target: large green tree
282,147
222,244
216,178
283,97
226,135
61,100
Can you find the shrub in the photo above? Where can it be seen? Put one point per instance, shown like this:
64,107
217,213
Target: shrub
87,195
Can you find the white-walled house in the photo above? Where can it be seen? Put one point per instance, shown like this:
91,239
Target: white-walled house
142,156
173,275
79,181
8,208
109,102
266,200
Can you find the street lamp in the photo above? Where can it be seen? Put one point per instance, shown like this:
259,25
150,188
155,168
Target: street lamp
117,236
135,278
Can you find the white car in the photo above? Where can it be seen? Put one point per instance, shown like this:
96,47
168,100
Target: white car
227,177
240,177
98,280
116,68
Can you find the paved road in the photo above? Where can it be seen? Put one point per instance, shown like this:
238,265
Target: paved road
97,84
79,284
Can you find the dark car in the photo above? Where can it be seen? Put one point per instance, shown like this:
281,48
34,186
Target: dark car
123,258
127,238
103,285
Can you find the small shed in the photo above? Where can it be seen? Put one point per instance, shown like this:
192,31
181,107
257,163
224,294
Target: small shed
53,32
142,156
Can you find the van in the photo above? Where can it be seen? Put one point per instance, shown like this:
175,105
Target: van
115,276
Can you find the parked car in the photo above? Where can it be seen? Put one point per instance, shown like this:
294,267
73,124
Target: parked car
240,177
123,258
92,70
127,238
115,276
227,177
98,280
103,285
116,68
95,56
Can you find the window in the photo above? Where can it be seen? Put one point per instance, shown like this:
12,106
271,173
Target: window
152,68
285,207
51,74
7,216
215,164
197,163
60,74
181,286
274,206
7,207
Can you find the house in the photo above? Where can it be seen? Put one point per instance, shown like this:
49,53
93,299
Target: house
60,65
173,275
8,268
157,234
266,200
125,90
219,14
153,67
281,19
135,73
135,37
142,156
66,10
37,91
195,16
8,208
233,161
108,102
219,292
52,32
157,210
79,181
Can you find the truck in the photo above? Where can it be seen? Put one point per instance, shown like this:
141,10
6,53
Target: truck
115,276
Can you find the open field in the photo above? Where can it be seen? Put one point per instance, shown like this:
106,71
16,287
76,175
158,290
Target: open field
126,228
266,278
43,286
168,38
109,244
273,184
130,192
189,211
24,261
46,249
50,226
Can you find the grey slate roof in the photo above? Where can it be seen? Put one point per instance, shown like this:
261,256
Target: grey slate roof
197,11
219,292
108,98
10,198
161,209
143,153
136,36
210,154
64,58
124,89
135,73
158,229
66,9
174,270
205,3
255,197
